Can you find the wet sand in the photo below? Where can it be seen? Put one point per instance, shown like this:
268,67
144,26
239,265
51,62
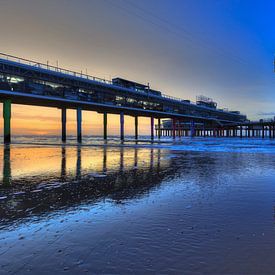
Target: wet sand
135,210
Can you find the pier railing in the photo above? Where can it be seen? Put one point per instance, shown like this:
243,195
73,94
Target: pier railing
52,68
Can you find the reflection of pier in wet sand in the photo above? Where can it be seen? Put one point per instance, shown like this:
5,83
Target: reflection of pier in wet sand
108,172
112,159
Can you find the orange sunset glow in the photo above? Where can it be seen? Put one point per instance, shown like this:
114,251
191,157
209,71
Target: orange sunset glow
33,120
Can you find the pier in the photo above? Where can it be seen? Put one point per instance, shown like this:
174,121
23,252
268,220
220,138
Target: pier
248,129
28,82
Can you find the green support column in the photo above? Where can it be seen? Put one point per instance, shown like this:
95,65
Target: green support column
136,127
7,120
105,126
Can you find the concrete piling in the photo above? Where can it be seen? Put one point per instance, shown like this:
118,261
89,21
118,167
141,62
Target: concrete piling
63,122
152,128
136,127
7,120
79,124
121,126
105,126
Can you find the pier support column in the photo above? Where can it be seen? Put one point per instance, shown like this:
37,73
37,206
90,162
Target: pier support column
178,128
79,124
192,128
159,130
105,125
174,128
63,123
121,126
136,127
152,128
7,120
214,132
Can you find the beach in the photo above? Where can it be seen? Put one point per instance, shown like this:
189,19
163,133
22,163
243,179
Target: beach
136,209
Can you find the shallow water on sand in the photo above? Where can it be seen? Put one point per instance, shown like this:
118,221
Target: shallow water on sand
202,206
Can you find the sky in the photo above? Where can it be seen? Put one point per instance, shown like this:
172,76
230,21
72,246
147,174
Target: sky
220,49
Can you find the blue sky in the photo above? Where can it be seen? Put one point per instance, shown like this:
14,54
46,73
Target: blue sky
222,49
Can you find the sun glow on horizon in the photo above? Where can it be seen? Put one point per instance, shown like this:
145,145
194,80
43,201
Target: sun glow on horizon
33,120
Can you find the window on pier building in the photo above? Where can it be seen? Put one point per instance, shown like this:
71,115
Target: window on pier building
151,105
14,79
120,98
47,83
130,100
